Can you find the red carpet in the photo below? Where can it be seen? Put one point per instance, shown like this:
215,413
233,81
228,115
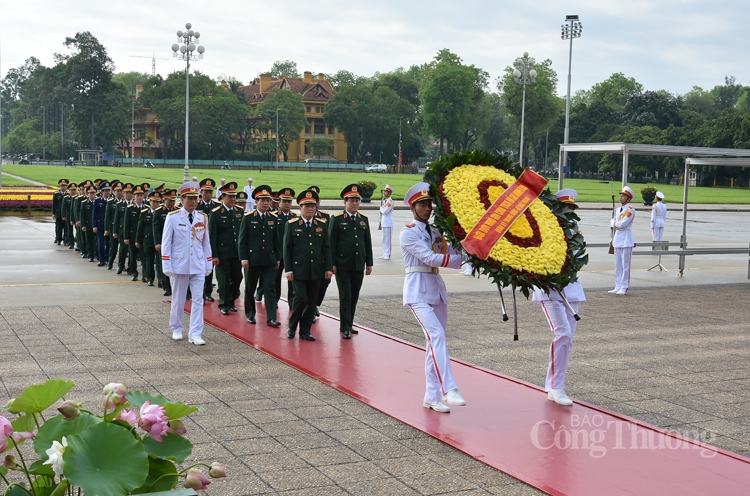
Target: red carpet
508,424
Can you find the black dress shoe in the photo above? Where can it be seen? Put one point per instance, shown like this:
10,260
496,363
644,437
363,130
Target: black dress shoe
129,272
306,337
143,279
251,320
83,255
135,277
119,270
159,285
91,259
290,334
317,312
273,323
71,247
232,308
101,264
354,331
78,249
225,311
167,292
151,283
209,298
347,334
258,297
109,267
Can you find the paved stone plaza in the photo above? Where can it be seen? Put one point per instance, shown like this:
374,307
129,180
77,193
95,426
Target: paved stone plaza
677,357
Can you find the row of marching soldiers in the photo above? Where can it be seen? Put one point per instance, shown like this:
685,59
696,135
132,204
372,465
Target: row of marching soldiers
121,224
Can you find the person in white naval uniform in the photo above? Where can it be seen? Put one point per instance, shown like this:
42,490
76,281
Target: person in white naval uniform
186,260
425,251
561,323
386,221
622,241
658,216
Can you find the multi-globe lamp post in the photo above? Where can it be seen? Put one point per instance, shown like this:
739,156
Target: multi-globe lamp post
524,74
572,29
188,38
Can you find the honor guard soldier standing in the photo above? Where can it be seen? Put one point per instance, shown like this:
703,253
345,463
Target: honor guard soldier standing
260,254
186,259
623,241
130,230
109,218
561,322
351,253
307,260
100,225
658,217
88,238
206,205
158,220
145,237
57,201
65,210
425,250
118,224
386,221
285,214
224,228
250,205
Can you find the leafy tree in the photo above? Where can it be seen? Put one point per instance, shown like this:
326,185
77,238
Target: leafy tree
613,91
286,68
23,139
446,101
652,108
402,84
320,146
291,117
346,78
726,96
700,100
131,79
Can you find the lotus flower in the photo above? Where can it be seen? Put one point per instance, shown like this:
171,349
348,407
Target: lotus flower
70,409
114,395
55,454
153,421
128,416
177,427
196,480
6,430
217,471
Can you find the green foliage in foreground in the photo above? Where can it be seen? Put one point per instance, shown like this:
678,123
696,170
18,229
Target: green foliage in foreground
331,184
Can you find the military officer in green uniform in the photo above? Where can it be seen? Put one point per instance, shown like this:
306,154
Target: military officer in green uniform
223,231
206,204
351,251
88,238
109,222
158,220
319,214
57,200
260,253
130,230
307,260
145,237
66,212
76,208
118,224
285,214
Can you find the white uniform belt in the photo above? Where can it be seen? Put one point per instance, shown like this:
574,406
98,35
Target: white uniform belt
622,228
422,268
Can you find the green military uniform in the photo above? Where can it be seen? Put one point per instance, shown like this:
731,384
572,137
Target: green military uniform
109,224
145,237
57,201
351,251
284,193
206,208
157,222
325,216
118,225
258,245
307,255
67,211
88,238
224,231
76,208
130,232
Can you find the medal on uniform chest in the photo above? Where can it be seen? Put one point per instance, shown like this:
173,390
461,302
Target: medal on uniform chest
198,232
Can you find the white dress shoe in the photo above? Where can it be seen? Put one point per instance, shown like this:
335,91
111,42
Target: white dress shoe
197,340
177,336
437,406
453,397
613,291
559,397
386,258
622,292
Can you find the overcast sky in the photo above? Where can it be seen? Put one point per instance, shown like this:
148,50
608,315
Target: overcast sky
663,44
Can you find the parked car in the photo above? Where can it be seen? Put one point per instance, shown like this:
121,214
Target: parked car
376,168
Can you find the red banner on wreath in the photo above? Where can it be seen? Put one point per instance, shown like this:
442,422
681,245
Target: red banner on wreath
508,207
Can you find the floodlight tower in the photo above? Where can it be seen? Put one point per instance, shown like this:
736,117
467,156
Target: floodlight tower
572,29
524,74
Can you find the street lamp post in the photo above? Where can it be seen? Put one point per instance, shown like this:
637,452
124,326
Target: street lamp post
277,138
185,52
569,31
62,130
132,135
524,74
400,163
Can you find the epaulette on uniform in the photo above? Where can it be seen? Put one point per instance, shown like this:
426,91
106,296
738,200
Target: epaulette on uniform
321,212
143,211
174,211
217,208
275,214
362,215
322,220
292,221
158,208
248,213
339,214
131,205
111,198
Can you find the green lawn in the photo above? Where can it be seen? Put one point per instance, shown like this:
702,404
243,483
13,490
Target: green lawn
12,181
331,183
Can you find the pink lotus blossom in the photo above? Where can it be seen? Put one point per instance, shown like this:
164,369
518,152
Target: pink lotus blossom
128,416
70,409
153,421
6,431
177,427
114,395
217,471
196,480
20,436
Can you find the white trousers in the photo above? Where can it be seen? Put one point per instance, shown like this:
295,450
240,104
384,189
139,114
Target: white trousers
622,267
180,283
437,366
563,325
658,233
387,231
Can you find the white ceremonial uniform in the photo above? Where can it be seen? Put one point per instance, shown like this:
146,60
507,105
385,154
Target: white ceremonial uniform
623,243
425,250
250,205
386,222
563,325
186,259
658,216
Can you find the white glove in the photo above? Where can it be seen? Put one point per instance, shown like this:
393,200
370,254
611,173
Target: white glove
168,273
